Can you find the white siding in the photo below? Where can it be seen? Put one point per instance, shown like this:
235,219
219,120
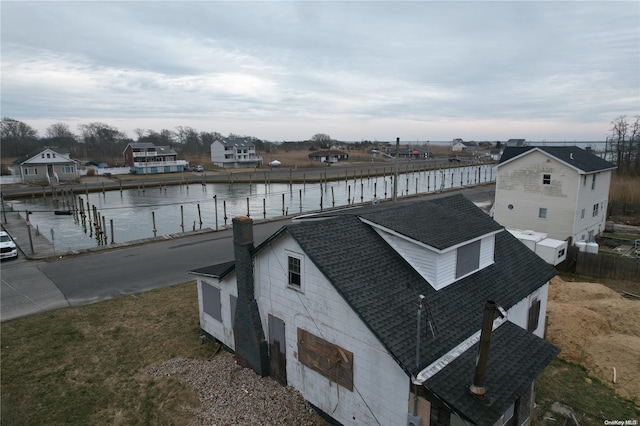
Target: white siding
519,183
438,269
382,386
487,251
586,198
519,313
423,260
223,331
217,152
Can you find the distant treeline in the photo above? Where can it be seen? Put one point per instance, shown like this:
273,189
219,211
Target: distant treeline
103,143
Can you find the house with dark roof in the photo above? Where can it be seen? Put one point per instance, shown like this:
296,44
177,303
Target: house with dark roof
147,158
234,152
464,146
516,142
47,165
377,314
328,156
561,191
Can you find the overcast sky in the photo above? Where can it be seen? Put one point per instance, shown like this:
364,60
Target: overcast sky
359,70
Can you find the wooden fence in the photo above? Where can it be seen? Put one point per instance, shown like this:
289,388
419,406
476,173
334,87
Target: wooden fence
601,265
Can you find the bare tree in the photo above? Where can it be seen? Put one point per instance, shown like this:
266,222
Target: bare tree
102,141
190,140
17,138
60,135
624,145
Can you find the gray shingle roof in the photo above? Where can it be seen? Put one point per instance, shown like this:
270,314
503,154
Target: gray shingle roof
383,288
219,270
237,141
516,358
440,224
577,157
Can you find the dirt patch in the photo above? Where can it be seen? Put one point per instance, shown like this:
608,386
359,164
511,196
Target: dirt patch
598,328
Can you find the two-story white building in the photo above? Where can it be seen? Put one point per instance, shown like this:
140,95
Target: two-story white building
234,152
374,314
561,191
146,158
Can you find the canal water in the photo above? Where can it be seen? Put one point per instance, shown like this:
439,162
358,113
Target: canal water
136,214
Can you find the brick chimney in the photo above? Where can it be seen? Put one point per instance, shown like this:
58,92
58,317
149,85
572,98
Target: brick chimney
250,343
477,388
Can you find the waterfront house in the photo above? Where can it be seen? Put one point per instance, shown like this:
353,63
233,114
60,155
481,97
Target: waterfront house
560,191
146,158
464,146
328,156
48,165
374,314
234,152
516,142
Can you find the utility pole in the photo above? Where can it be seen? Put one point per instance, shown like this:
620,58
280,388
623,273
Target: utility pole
395,172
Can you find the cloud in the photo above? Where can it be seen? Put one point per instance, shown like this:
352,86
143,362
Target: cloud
288,70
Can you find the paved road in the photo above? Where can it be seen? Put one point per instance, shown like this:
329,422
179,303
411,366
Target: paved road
30,286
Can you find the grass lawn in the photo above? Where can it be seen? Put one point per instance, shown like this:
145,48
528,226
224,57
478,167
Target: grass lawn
83,365
592,401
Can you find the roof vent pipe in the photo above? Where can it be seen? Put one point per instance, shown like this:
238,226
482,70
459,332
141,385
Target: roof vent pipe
477,388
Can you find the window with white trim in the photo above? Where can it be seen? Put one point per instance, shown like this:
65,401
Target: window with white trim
595,210
542,213
30,171
67,169
546,179
294,271
593,182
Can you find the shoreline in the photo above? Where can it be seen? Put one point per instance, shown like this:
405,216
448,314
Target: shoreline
99,183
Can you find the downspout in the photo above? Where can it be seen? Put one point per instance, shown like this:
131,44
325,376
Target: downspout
395,172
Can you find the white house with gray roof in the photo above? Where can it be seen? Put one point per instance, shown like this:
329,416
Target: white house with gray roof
47,165
560,191
234,152
374,314
147,158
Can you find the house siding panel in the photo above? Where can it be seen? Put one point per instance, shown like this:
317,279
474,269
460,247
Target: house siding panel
519,183
334,321
439,269
217,153
221,330
519,313
586,198
423,260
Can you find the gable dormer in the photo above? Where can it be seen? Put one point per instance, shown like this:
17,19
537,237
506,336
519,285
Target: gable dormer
441,267
444,246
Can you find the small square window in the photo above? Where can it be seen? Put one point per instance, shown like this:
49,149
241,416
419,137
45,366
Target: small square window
542,213
295,278
546,179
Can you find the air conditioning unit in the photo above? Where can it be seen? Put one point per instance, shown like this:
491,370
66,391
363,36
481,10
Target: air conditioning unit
413,420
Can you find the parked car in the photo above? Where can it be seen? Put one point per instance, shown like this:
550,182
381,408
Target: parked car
198,169
454,160
8,248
